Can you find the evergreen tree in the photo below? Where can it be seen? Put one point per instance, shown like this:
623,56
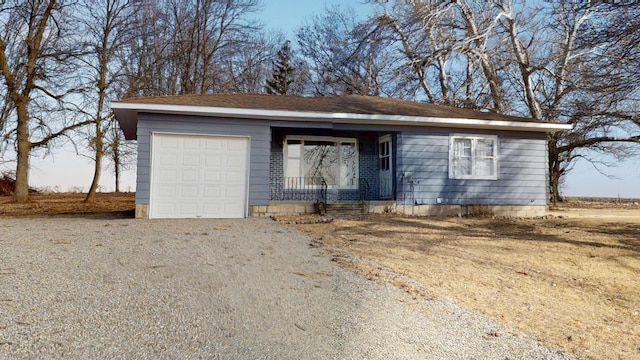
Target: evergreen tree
282,75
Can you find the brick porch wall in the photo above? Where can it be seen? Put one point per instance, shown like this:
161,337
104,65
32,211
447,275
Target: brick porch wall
367,169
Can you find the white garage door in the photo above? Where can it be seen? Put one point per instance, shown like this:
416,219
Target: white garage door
198,176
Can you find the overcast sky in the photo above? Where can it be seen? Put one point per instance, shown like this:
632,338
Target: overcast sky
65,170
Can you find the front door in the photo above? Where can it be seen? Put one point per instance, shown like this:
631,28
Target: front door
386,167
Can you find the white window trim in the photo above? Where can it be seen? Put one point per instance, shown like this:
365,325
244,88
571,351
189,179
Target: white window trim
474,138
381,139
322,138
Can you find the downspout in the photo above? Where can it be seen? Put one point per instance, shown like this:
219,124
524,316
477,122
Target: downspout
404,199
413,198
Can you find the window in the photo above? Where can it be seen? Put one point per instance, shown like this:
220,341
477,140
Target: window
473,157
334,159
384,153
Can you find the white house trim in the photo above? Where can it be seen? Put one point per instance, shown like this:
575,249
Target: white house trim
128,112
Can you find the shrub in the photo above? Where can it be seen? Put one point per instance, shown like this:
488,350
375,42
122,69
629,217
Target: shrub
7,184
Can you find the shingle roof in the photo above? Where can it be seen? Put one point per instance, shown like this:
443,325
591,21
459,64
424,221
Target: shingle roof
350,109
351,104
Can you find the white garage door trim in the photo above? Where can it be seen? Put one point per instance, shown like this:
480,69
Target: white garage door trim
198,175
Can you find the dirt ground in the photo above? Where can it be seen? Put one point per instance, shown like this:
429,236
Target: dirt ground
66,204
571,279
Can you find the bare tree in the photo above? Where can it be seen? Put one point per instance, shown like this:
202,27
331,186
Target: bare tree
449,48
345,55
36,49
120,152
573,83
246,66
106,25
145,60
193,47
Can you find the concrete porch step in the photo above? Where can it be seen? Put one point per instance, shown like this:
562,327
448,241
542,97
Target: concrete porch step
346,208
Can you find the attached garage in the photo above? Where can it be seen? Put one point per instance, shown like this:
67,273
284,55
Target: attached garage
198,176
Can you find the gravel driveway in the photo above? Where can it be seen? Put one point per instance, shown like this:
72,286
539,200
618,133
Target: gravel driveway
215,289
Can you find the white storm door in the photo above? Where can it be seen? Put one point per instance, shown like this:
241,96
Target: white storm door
199,176
385,177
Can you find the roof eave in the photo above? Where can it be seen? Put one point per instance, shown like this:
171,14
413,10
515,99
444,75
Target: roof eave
126,113
128,120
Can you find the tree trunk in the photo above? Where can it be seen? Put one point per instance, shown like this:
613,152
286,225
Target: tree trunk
554,183
117,175
98,168
554,170
21,192
115,156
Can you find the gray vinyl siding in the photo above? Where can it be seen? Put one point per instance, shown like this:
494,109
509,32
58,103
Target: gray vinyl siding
522,158
258,131
522,169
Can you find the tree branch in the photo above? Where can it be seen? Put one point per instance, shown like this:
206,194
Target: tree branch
597,140
43,142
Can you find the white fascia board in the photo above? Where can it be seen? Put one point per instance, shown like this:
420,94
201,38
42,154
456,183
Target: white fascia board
450,122
341,118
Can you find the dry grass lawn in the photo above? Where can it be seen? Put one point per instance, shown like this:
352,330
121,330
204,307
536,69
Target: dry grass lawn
572,280
66,204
